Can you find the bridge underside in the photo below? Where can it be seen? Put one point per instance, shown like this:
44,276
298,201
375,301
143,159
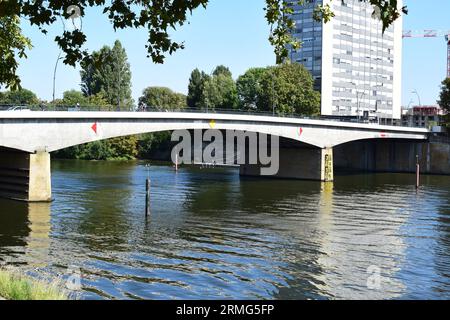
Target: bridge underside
398,156
25,176
298,161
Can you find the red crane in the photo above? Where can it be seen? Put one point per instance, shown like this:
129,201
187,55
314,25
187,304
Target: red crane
432,34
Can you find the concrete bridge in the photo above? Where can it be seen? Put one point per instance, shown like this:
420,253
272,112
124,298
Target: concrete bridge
27,138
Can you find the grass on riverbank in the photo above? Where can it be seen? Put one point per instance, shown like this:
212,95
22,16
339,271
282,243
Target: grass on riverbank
14,286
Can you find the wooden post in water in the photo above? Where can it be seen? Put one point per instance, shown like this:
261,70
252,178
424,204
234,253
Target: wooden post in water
147,197
417,173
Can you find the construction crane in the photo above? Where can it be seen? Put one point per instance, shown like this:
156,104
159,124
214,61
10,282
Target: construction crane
432,34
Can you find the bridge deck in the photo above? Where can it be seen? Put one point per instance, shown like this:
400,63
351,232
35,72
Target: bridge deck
96,115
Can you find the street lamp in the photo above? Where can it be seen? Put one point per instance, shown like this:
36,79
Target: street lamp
358,102
54,74
273,93
418,96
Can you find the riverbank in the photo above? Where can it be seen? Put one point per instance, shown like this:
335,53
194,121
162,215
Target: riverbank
14,286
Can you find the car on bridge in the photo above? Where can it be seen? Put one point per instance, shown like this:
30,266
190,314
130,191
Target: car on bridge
18,108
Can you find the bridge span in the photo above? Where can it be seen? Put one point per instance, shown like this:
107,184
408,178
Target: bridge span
28,137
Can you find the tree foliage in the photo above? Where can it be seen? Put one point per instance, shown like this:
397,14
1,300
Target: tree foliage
13,45
159,17
215,91
108,72
289,88
249,88
151,143
219,90
195,88
19,97
444,98
122,148
162,98
72,98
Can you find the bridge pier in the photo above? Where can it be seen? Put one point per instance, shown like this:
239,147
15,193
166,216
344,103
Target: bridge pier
25,176
299,163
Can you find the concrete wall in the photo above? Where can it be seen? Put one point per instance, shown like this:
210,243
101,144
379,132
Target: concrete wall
14,174
392,156
25,176
299,163
40,188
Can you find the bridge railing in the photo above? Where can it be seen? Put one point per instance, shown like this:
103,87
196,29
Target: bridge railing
87,108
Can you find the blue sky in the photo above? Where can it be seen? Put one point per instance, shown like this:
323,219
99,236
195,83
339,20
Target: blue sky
229,32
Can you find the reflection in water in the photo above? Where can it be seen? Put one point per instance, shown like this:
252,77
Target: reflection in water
38,241
353,242
212,234
24,233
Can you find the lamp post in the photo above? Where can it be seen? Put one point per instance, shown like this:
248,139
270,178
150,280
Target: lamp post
273,93
54,74
358,102
418,96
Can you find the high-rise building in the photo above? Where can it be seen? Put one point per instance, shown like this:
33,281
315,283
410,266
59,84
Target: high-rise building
355,65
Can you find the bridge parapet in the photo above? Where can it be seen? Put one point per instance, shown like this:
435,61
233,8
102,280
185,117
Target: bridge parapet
31,131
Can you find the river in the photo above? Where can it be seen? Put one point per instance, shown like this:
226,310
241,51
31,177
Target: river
214,235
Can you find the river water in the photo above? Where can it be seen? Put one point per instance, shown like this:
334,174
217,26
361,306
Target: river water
214,235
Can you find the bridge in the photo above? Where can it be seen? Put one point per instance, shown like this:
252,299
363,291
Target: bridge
28,137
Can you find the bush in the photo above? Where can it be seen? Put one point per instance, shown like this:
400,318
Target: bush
14,286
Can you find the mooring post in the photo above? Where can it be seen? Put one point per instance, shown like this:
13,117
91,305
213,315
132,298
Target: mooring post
147,197
147,192
417,172
176,162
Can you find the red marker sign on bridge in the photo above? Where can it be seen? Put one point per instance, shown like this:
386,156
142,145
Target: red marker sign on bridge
94,127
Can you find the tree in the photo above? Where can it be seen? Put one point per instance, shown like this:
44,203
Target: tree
19,97
150,144
121,148
222,70
74,97
13,45
100,102
287,89
89,84
124,148
444,100
162,98
219,91
249,88
108,72
158,17
195,88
